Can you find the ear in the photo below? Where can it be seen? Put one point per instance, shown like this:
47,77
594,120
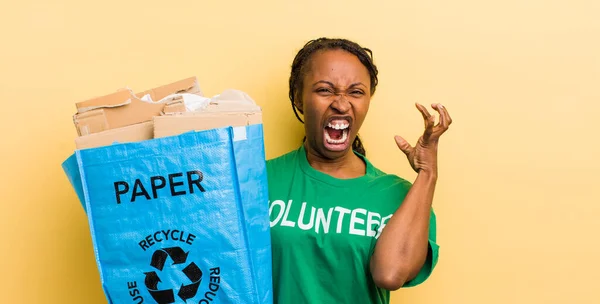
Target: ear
299,104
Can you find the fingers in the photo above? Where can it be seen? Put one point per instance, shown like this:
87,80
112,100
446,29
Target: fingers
429,120
403,145
446,115
445,119
423,111
439,108
433,131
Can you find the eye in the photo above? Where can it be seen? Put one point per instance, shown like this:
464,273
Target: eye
357,93
324,91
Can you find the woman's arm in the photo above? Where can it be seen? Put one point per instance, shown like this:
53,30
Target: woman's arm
403,245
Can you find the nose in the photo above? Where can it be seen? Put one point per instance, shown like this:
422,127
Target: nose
341,104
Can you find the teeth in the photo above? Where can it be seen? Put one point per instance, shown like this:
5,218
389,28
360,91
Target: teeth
339,126
338,141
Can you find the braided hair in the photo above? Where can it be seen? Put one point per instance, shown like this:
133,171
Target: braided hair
301,63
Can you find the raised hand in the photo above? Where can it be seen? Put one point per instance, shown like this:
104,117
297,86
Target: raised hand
423,156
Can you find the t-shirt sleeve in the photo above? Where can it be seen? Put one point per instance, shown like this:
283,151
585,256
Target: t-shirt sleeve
432,256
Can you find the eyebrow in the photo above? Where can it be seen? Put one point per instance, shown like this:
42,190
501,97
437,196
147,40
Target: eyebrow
331,84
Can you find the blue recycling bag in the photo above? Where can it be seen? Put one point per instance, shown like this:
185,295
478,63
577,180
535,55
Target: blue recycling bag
181,219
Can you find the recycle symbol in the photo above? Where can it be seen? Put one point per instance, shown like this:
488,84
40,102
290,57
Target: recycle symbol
191,271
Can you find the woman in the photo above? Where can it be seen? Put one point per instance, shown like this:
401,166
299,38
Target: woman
342,230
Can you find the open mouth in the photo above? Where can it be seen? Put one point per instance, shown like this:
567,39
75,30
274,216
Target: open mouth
337,134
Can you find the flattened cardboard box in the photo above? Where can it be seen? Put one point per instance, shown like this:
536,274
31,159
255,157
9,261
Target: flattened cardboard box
188,85
168,125
124,108
133,133
175,124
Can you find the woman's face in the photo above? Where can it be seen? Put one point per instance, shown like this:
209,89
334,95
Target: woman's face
335,100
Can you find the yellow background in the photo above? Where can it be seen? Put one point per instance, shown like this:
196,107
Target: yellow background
517,201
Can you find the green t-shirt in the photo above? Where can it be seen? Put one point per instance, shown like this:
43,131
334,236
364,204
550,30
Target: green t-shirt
324,229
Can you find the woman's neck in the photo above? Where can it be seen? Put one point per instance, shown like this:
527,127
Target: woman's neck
345,167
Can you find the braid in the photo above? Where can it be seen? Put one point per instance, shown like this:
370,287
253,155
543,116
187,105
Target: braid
358,147
301,63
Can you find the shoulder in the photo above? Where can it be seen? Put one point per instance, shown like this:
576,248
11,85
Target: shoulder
280,172
282,160
387,181
282,163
